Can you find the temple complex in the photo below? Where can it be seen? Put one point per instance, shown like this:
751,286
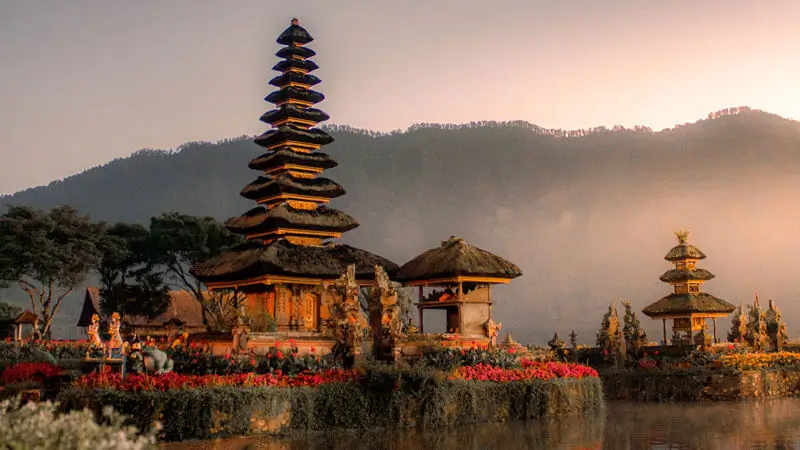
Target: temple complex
688,306
461,277
290,267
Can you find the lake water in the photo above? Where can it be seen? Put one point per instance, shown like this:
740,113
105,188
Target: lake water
764,424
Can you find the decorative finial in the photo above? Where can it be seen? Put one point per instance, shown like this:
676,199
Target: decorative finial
682,235
453,240
295,21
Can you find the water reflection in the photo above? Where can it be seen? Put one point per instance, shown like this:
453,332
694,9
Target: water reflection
766,424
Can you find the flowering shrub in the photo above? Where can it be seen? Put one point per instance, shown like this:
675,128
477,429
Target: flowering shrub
40,426
12,352
530,371
448,358
28,371
759,361
172,380
197,359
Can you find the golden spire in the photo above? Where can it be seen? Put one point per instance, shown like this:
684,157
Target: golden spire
682,235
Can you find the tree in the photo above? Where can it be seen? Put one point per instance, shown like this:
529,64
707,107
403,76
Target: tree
183,241
131,282
48,255
8,313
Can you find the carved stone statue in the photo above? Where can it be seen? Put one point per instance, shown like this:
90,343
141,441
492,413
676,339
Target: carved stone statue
345,310
555,343
156,361
492,329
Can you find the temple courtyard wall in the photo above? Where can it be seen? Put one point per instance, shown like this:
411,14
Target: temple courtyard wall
661,386
430,402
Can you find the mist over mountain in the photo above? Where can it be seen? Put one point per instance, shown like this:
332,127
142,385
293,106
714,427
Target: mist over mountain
588,219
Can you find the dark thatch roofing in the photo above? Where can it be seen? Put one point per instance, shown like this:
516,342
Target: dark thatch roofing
295,34
286,155
456,258
684,251
268,187
678,276
296,93
305,65
253,259
293,111
687,304
260,219
183,309
26,318
294,77
289,133
302,52
91,306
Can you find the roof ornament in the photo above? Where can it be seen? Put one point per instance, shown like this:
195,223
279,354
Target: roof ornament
682,235
295,22
452,241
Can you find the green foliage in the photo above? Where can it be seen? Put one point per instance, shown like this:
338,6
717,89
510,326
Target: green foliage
8,313
183,241
48,255
383,398
132,283
41,426
264,323
11,353
443,358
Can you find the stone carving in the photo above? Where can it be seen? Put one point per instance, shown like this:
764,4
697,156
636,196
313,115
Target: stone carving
738,325
556,343
345,310
96,347
492,329
155,361
610,338
776,328
635,336
573,339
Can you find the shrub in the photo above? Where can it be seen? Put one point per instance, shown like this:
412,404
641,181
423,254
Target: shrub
28,371
41,426
447,358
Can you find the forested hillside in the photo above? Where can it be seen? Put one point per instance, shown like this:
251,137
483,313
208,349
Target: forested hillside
588,219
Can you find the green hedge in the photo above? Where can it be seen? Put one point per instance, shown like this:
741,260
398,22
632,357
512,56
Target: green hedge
429,402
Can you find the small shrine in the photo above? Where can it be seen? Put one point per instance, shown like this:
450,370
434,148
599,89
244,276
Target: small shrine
688,306
291,271
459,277
26,318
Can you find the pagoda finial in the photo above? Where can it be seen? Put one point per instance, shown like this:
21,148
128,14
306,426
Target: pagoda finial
682,235
295,21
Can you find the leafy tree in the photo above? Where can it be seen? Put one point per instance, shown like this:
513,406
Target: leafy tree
131,282
48,255
8,313
184,241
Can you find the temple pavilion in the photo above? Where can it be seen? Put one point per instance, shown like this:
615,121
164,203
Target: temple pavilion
291,254
459,277
688,306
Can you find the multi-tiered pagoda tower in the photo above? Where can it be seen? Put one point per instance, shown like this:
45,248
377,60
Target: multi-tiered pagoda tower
290,256
688,306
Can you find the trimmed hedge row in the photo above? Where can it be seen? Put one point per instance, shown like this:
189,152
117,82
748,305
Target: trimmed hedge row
429,402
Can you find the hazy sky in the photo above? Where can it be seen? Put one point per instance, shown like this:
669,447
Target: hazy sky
85,81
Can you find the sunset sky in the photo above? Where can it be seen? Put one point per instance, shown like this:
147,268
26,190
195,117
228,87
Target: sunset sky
83,82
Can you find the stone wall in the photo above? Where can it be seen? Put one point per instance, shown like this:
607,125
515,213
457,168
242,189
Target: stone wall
700,385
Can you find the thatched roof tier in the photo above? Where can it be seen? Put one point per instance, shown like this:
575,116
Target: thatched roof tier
254,259
286,155
260,220
297,65
295,35
295,93
684,251
91,306
688,303
287,133
289,111
293,77
455,258
300,52
681,275
265,187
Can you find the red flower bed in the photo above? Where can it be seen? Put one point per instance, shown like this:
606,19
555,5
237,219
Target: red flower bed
531,370
28,371
172,380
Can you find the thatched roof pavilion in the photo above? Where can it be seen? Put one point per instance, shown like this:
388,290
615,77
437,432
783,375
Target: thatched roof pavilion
466,273
687,306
